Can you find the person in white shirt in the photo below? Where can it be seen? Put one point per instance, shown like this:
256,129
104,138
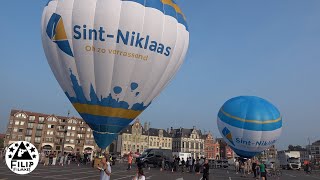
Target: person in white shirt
140,175
105,170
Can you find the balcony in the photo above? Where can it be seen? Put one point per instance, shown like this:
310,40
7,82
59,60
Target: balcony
61,129
81,131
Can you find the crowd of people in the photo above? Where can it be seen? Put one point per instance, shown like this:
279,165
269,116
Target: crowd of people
52,158
248,166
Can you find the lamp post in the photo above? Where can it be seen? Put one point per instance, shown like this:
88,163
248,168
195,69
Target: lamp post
64,135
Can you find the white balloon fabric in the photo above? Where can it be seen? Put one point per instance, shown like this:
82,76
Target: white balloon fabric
249,124
113,57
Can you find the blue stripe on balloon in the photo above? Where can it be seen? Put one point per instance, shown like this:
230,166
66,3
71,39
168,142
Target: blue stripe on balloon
244,154
169,10
155,4
104,140
248,125
182,21
164,8
251,107
101,120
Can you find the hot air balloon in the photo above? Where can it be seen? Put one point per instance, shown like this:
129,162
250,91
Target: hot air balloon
113,57
249,125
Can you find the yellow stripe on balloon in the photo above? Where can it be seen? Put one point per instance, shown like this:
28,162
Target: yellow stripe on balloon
251,121
106,111
175,6
60,31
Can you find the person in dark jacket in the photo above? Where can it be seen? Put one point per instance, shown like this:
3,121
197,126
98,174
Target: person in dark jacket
183,163
205,170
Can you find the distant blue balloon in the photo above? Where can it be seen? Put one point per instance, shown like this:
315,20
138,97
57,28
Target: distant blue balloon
117,90
137,93
134,86
249,124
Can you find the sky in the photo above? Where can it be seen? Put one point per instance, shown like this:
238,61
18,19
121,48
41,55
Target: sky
268,49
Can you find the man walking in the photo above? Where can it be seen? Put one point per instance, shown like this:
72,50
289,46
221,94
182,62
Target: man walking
205,170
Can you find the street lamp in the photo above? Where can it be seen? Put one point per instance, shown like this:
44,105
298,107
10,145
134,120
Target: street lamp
65,132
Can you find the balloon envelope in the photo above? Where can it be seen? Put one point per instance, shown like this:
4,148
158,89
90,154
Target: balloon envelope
249,124
104,53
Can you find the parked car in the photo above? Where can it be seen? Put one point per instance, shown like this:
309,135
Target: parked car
154,157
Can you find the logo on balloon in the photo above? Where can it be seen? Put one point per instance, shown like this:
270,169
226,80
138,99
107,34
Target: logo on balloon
56,32
226,132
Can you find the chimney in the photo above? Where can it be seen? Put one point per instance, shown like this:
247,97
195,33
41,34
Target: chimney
145,126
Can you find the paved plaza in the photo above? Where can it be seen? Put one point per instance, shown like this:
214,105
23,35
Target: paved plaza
86,172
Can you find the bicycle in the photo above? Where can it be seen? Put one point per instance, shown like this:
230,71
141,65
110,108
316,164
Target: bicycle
274,173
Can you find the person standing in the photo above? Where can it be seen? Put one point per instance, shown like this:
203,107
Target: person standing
263,173
140,175
183,163
254,169
105,169
237,166
205,170
129,161
197,166
191,165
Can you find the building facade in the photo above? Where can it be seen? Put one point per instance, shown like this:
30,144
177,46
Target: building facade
314,150
225,151
48,132
269,153
211,147
188,141
136,138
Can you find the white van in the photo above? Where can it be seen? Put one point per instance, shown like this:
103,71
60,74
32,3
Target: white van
181,155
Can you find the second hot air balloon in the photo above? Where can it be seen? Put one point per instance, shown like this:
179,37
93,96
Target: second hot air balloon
249,124
113,57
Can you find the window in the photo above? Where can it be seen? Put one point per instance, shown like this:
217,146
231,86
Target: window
39,126
41,119
37,140
21,115
30,125
38,133
21,123
29,132
71,140
15,129
14,136
20,138
69,127
49,132
73,128
11,122
27,138
88,135
53,119
50,126
17,122
49,139
32,118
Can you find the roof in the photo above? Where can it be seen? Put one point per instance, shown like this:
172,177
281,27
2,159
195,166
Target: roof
2,136
37,115
152,131
182,132
316,143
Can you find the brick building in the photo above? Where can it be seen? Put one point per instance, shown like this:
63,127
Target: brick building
211,147
225,151
47,132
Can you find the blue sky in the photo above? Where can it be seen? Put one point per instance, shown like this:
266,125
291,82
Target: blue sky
264,48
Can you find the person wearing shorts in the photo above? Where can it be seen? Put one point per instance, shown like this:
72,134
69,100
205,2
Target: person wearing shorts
263,173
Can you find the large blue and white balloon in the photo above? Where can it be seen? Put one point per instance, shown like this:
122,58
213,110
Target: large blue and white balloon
249,124
113,57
